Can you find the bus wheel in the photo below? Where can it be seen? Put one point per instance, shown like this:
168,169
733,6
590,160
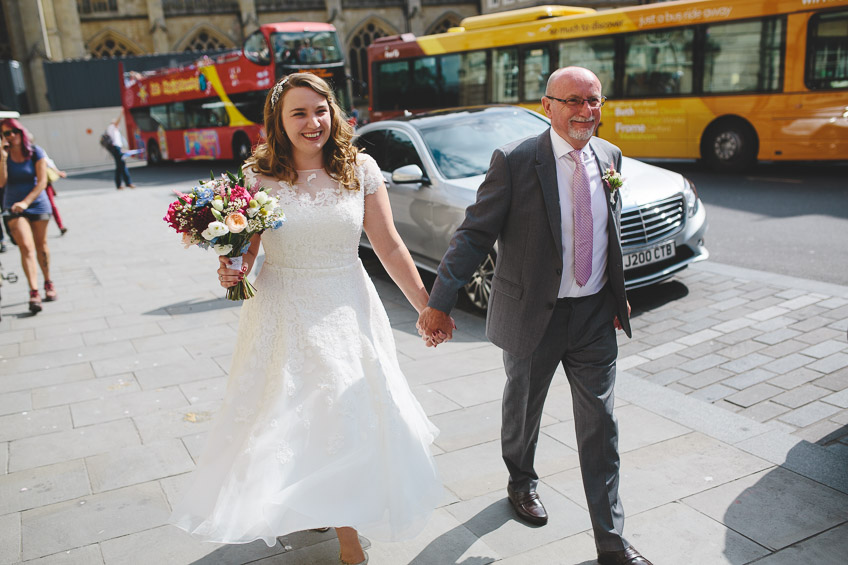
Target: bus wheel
241,147
154,156
479,288
729,145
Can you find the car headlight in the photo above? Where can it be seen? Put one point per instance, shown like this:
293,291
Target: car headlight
690,194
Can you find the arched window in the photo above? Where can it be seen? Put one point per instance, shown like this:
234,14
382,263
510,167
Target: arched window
358,53
110,44
206,40
444,23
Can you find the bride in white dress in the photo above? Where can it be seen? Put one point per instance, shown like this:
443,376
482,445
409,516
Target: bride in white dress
318,426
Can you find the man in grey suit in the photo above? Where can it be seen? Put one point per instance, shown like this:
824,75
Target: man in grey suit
557,295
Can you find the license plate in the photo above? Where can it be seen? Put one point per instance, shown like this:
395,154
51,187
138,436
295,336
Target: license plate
648,256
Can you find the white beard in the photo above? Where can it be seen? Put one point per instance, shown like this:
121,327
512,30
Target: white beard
581,134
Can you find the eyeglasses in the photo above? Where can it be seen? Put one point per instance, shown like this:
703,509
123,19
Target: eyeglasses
573,102
9,132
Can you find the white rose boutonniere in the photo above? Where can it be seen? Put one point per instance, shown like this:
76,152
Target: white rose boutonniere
613,180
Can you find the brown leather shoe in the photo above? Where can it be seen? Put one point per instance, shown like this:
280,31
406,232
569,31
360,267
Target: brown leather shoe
528,506
628,556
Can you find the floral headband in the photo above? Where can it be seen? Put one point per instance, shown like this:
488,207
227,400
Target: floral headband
278,90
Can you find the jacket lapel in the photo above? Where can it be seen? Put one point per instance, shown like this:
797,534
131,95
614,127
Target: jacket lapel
604,161
546,170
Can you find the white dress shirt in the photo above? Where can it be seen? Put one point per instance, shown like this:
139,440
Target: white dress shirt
565,167
115,134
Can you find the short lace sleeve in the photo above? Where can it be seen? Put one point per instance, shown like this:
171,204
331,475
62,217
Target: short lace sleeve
370,176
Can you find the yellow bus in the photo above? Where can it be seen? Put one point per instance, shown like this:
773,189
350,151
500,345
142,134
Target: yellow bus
728,81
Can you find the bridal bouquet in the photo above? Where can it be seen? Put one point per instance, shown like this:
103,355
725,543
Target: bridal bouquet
223,214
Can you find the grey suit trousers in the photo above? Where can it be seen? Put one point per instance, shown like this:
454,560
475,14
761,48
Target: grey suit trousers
581,336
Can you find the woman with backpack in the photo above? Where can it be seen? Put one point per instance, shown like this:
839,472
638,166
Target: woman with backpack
23,171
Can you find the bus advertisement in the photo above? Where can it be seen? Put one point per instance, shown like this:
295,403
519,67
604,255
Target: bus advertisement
726,82
212,109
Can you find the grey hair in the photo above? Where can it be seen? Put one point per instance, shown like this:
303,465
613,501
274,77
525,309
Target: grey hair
278,90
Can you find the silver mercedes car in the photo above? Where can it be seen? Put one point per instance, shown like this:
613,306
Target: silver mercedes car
433,164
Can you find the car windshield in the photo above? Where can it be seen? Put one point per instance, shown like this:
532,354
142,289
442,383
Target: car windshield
462,146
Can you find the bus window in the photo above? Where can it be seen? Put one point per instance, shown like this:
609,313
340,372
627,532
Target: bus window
596,54
425,84
505,75
143,119
827,62
450,77
743,56
177,115
658,63
256,49
159,114
537,69
472,78
464,79
393,79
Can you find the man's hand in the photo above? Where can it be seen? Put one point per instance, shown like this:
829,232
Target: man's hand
617,323
435,326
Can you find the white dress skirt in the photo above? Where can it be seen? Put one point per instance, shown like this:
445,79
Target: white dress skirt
318,426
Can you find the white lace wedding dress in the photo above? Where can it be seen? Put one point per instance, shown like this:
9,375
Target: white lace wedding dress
318,426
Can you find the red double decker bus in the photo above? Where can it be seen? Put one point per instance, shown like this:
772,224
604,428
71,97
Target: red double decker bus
212,109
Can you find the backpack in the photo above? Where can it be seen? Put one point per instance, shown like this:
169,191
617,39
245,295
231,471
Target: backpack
106,141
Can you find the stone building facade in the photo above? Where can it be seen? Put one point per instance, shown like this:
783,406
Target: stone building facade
33,31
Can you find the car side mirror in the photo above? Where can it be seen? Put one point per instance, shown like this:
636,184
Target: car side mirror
409,174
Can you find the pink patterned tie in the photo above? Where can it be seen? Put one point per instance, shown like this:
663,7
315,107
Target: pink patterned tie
583,225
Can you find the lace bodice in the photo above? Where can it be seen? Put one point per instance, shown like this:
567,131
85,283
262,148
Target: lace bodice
323,220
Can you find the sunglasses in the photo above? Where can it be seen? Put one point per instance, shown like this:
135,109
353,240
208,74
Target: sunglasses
9,132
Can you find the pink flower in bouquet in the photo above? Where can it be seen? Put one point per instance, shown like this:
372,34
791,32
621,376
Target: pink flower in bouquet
240,197
236,222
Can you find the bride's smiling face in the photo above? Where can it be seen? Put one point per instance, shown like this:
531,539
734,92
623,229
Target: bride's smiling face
306,120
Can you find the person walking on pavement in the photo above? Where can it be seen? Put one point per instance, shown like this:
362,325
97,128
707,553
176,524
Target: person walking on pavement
319,426
54,174
557,295
23,171
116,149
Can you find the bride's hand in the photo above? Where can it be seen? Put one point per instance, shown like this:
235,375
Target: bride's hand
230,277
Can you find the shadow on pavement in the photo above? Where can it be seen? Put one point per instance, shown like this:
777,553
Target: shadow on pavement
655,296
789,514
193,307
449,547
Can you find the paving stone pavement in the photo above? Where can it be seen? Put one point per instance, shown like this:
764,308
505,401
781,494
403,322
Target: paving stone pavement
732,400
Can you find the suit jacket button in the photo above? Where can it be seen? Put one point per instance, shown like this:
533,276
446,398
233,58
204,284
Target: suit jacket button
551,305
559,271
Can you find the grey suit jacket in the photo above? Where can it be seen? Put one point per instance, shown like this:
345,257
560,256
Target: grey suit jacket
518,205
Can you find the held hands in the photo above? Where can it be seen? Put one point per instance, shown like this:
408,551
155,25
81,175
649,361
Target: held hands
435,326
230,277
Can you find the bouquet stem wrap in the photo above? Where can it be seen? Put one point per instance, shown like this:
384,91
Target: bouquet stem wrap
243,289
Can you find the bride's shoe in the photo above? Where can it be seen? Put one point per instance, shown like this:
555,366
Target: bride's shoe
365,562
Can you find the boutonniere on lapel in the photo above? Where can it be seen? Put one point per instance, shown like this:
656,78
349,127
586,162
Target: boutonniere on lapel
614,181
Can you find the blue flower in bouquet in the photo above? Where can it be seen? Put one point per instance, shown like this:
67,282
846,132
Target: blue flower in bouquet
203,196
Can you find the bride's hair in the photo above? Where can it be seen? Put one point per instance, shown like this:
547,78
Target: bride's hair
274,157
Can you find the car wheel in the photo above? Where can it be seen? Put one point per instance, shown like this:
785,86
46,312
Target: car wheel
241,148
154,156
729,145
479,288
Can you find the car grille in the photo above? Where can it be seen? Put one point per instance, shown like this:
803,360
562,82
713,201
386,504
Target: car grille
652,222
